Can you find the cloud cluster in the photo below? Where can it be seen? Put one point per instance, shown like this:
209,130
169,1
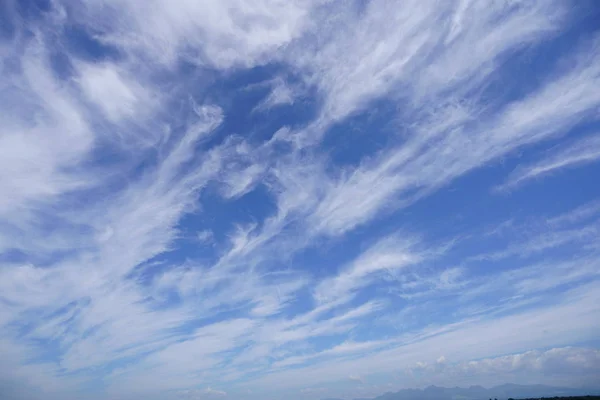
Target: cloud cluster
551,364
586,150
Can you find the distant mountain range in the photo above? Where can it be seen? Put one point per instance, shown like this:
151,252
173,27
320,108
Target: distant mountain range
502,392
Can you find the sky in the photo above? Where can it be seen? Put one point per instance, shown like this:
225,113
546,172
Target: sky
297,199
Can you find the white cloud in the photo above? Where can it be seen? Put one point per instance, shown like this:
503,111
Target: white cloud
202,394
386,255
223,34
316,390
552,363
581,213
442,149
35,167
281,93
572,320
205,236
215,392
583,151
116,95
545,241
346,348
361,57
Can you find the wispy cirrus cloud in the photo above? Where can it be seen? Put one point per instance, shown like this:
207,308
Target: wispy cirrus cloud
546,363
582,152
166,230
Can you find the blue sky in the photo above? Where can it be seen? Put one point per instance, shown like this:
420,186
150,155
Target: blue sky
297,199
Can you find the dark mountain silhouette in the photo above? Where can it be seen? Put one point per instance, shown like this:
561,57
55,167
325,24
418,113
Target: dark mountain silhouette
502,392
565,398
